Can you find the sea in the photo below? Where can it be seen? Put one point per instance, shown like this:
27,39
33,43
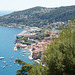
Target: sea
7,38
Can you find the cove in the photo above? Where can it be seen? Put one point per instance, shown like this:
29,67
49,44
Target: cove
7,38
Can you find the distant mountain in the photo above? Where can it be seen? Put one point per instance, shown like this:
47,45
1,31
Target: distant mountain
2,13
39,16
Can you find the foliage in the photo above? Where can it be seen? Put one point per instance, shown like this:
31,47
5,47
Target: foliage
59,58
60,54
25,39
28,43
38,70
41,36
25,67
17,37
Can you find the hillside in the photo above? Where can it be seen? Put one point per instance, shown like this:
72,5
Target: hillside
39,16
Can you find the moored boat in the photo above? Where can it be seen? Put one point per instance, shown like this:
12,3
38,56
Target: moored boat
24,51
1,58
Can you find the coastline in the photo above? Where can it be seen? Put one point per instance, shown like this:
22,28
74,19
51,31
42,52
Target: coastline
37,47
30,57
31,29
6,51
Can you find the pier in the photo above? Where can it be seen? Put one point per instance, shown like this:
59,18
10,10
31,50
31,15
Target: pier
23,32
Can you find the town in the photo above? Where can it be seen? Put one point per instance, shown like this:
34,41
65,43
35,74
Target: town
36,39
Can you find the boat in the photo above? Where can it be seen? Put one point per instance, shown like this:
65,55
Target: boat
3,66
15,48
17,64
10,65
28,53
4,61
23,55
12,57
6,64
14,62
26,48
1,58
30,57
24,51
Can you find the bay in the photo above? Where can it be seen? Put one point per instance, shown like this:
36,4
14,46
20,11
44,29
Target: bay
7,38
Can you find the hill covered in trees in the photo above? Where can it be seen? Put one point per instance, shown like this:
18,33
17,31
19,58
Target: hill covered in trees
59,57
39,16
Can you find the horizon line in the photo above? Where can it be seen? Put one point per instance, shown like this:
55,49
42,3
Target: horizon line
36,6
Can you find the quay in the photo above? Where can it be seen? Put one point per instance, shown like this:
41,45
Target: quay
23,32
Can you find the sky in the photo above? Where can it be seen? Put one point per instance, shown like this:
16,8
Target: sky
17,5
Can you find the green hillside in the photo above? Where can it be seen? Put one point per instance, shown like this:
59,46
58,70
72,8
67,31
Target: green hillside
39,16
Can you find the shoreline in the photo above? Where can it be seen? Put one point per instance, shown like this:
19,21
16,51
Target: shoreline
30,57
38,46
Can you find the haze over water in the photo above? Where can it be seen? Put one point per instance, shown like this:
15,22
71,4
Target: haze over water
7,38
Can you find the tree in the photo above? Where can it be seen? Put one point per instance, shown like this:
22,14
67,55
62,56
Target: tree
26,67
60,54
59,58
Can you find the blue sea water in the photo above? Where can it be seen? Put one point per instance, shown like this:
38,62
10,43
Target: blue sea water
7,38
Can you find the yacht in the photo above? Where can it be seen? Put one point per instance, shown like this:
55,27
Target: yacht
1,58
24,51
12,57
3,66
14,62
4,61
10,65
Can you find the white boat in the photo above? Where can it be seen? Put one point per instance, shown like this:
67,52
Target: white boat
1,58
4,61
17,64
10,65
28,53
23,55
14,62
3,66
12,57
24,51
15,48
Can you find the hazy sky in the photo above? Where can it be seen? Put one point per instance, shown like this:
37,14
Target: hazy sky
16,5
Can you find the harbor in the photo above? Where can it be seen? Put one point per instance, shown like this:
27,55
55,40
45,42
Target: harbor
8,56
30,40
25,47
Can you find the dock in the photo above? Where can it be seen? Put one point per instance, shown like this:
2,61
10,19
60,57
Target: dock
23,32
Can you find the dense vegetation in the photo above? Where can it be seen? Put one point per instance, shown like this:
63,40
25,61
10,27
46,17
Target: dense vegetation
41,36
59,57
39,16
